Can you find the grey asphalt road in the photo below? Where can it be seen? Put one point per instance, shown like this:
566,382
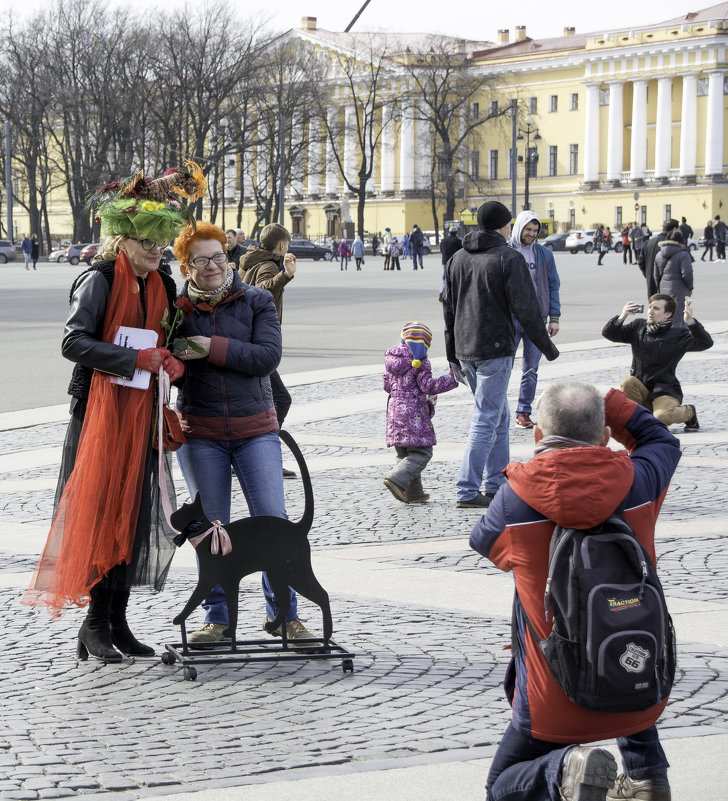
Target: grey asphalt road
331,318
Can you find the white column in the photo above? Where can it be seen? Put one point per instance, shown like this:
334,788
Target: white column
423,156
350,148
406,151
615,132
591,134
714,129
688,125
314,156
638,150
386,161
663,128
332,170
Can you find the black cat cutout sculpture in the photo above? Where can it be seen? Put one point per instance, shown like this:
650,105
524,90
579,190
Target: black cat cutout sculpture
279,547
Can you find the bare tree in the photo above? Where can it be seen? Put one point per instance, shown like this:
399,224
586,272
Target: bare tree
363,109
448,93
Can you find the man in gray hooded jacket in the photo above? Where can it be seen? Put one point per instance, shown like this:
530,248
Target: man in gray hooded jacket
542,268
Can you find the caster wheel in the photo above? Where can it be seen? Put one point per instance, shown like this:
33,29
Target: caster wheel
190,673
347,665
168,659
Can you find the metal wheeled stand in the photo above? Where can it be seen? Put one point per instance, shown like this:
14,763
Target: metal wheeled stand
266,650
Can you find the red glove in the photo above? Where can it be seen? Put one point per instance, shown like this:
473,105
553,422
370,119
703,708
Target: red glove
173,367
151,358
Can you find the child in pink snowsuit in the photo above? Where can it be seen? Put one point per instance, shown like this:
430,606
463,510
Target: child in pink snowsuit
409,381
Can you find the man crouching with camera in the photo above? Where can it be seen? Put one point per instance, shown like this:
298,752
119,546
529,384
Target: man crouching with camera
657,347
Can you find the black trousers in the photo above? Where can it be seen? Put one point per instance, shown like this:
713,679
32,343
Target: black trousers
281,397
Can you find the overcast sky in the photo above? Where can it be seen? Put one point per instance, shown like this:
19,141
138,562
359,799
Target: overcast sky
467,18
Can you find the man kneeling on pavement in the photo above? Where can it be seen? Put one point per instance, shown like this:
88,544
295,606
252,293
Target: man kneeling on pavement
575,481
657,347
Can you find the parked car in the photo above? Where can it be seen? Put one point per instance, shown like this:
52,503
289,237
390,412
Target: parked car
580,239
73,252
555,241
58,255
7,251
304,249
88,253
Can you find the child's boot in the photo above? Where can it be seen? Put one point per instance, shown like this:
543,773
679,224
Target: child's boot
415,493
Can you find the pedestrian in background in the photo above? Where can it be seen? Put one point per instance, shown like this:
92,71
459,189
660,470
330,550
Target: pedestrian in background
626,249
719,232
448,248
344,255
393,254
34,250
27,247
649,254
674,272
357,251
386,242
637,239
708,241
410,406
405,247
417,246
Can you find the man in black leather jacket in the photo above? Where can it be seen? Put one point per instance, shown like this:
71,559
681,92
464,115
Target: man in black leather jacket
487,283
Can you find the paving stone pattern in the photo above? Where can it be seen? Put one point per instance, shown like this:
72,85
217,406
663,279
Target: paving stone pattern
425,681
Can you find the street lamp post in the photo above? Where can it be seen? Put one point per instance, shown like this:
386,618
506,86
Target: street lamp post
530,158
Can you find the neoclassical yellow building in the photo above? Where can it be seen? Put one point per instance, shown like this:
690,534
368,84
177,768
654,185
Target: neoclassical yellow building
614,126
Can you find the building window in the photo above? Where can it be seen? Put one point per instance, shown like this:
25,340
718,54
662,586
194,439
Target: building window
533,105
475,111
474,165
643,215
702,87
574,101
572,219
666,211
604,97
493,165
493,108
553,168
554,103
573,159
532,162
617,216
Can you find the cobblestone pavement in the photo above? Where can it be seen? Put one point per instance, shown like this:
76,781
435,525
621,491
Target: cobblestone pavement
428,670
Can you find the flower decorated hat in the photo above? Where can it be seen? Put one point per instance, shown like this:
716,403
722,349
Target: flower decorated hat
418,338
149,208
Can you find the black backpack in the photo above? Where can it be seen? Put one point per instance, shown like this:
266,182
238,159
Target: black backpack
612,647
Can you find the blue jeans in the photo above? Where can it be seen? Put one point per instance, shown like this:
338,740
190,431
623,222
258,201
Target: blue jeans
488,446
417,255
529,371
524,769
258,464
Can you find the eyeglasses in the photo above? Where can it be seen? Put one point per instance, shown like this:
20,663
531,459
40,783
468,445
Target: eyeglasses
203,261
150,244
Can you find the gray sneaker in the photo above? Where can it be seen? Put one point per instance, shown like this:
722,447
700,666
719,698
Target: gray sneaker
210,632
587,774
478,501
653,788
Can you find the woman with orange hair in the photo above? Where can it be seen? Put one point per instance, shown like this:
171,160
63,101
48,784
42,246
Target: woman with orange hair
226,403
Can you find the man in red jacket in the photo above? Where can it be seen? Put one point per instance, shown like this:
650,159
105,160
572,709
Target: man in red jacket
576,481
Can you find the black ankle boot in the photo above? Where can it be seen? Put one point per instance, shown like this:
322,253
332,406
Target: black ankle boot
94,636
121,635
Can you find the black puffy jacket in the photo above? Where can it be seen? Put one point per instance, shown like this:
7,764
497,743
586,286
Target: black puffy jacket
227,395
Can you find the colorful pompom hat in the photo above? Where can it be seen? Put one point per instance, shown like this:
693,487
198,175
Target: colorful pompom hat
418,338
149,208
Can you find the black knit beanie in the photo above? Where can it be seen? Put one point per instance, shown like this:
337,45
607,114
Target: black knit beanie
492,216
